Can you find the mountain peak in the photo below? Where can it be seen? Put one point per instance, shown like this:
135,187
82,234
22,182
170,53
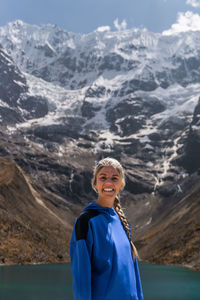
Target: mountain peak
17,23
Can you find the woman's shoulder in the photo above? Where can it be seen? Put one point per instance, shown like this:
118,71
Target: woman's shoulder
86,215
81,225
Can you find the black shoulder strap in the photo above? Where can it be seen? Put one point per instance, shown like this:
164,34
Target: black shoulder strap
81,227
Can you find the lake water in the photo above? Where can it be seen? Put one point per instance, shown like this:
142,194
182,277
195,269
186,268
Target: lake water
54,282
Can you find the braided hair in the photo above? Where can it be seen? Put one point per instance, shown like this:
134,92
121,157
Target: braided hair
111,162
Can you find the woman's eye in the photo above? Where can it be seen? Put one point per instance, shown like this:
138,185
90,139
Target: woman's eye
115,179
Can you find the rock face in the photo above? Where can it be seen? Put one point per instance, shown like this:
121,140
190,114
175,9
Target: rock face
12,85
177,232
190,158
27,234
68,100
12,82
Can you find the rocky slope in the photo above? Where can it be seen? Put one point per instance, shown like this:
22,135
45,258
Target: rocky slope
32,229
175,236
67,100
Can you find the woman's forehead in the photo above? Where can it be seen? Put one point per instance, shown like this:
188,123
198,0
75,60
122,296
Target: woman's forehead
109,170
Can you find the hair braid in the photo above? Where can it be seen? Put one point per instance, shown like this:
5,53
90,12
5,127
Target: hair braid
118,209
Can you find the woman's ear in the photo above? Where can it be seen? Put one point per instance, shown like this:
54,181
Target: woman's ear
122,185
94,187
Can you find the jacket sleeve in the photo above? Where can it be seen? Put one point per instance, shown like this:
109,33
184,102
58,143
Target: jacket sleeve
138,281
80,252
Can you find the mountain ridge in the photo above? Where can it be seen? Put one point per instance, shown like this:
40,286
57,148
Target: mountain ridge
58,55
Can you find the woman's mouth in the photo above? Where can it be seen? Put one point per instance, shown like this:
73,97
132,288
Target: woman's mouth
108,190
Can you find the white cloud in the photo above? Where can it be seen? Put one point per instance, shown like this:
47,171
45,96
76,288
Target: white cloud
194,3
187,21
121,26
103,28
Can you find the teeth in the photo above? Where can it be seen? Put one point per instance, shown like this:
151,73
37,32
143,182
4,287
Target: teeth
108,190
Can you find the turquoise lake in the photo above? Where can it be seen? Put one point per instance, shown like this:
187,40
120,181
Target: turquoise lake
54,282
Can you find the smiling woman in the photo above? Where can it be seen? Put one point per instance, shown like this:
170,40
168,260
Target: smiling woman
108,182
103,257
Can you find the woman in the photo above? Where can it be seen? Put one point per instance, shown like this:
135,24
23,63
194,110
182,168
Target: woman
103,257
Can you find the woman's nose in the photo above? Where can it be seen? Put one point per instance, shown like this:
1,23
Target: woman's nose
108,180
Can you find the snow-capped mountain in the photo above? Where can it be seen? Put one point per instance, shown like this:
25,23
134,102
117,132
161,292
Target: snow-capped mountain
134,84
68,99
142,60
138,90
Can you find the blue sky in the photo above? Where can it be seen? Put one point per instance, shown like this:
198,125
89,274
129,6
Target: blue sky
83,16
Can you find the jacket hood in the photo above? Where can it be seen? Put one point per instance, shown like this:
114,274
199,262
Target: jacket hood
107,210
104,210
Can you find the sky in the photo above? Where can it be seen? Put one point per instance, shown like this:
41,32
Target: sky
84,16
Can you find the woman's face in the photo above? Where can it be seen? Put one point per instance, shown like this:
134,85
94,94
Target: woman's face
108,183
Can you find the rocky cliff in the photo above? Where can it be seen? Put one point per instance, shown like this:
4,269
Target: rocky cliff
33,230
175,236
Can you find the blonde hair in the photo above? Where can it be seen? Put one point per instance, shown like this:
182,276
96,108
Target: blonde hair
111,162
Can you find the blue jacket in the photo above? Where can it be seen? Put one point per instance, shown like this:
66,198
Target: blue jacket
101,259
